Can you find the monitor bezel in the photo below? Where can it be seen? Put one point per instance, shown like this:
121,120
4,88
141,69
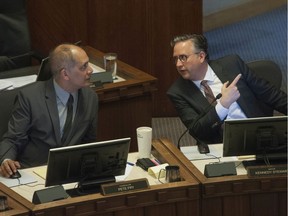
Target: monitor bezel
54,170
230,144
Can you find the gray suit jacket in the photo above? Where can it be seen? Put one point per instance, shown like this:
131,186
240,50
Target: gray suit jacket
255,94
34,126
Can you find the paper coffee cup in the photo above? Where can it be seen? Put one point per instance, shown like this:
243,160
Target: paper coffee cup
144,139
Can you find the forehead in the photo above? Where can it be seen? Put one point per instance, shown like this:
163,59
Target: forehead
183,47
80,56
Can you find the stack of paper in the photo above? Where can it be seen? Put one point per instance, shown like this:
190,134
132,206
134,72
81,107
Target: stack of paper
16,82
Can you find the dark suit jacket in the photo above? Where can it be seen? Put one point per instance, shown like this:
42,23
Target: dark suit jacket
34,126
190,102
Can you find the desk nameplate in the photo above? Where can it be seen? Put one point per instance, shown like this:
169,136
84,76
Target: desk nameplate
267,170
125,186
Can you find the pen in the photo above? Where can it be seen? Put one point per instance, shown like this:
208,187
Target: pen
131,164
157,160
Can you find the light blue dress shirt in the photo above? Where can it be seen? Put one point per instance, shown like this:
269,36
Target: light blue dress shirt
62,97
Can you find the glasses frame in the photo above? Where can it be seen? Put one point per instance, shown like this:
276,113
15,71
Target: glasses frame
183,58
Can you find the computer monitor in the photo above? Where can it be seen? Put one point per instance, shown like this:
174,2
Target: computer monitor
266,137
92,162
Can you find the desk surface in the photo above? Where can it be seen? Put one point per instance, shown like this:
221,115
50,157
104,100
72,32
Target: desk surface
239,195
215,156
27,190
171,199
136,82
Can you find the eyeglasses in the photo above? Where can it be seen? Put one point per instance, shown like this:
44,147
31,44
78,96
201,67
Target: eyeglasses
182,58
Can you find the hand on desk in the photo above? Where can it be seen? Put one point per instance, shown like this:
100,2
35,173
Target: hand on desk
9,167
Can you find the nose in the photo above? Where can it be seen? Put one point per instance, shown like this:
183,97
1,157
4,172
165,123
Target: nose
90,70
178,63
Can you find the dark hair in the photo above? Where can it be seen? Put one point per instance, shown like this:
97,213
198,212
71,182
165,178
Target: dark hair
200,42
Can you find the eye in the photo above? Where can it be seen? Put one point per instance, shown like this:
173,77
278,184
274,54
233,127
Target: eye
84,67
182,58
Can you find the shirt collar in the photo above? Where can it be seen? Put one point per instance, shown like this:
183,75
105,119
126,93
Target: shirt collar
61,93
209,76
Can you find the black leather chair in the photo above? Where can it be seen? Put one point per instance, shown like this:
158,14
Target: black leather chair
267,70
15,47
7,99
270,71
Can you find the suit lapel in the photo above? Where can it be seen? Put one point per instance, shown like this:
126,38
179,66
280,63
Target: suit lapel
193,91
77,118
50,98
223,75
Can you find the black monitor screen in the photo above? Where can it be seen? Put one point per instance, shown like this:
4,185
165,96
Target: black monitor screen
75,163
265,137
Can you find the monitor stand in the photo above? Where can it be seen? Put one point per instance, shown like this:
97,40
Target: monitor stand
90,186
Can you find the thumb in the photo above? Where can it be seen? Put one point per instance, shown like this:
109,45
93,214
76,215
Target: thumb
225,84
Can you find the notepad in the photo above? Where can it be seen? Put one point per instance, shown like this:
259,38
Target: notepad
155,170
40,171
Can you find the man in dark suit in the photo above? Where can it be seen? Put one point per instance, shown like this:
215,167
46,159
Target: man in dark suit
39,117
243,94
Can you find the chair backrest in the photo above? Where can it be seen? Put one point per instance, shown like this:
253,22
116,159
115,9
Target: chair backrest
7,99
267,70
15,44
270,71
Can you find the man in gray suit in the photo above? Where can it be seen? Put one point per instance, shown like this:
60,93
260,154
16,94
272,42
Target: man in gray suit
243,94
39,117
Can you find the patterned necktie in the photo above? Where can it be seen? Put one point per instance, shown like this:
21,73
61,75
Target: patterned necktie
208,93
69,117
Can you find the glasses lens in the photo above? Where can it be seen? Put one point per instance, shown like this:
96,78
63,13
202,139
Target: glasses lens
182,58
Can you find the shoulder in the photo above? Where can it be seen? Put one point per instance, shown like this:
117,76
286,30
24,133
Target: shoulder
179,86
89,93
32,89
227,60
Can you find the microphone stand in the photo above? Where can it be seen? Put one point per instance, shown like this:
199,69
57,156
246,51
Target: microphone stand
202,147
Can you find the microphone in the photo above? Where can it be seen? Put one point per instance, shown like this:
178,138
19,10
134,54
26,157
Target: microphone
202,147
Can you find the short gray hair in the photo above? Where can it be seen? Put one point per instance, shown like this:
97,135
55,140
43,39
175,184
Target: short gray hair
200,42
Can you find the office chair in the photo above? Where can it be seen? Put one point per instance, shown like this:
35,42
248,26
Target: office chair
15,47
7,99
270,71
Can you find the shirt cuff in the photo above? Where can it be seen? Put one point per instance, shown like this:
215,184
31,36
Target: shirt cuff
221,111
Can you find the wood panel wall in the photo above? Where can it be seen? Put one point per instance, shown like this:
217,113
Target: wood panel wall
139,31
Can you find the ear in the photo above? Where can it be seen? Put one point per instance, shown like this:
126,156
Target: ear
202,56
64,74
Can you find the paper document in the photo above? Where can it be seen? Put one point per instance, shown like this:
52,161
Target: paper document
96,69
25,178
17,81
127,172
40,171
5,85
192,153
156,170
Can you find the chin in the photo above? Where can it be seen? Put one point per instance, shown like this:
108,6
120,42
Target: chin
185,76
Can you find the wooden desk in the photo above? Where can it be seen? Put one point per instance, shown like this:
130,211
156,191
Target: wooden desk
170,199
126,105
236,195
18,205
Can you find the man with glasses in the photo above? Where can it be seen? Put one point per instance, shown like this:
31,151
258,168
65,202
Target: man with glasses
241,93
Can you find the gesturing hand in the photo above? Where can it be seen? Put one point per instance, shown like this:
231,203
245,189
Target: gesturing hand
230,92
